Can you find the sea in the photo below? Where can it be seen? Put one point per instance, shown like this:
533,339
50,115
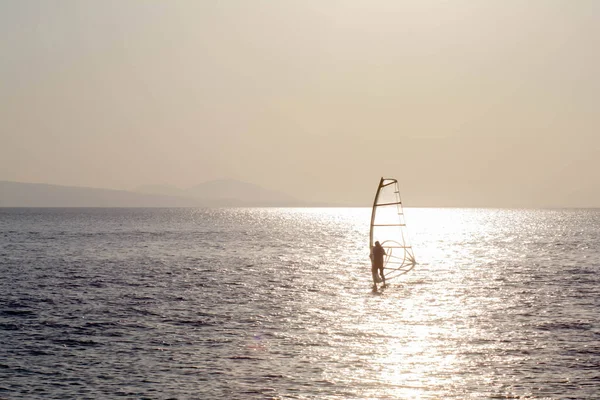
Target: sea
276,303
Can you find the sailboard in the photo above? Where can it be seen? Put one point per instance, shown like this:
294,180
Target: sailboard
388,227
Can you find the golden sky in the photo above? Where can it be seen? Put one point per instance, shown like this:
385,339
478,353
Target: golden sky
466,103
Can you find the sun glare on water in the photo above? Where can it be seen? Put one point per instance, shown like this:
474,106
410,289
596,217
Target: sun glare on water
412,330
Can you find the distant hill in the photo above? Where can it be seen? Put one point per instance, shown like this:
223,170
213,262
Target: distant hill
226,191
164,190
18,194
223,193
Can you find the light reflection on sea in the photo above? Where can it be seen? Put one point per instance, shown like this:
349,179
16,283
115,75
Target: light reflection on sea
276,303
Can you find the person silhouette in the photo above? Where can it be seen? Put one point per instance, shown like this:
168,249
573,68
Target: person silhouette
377,264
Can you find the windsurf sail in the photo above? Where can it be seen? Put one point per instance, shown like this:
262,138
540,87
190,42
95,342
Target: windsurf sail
388,226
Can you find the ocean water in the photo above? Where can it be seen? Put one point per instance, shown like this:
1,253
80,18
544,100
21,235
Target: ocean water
276,304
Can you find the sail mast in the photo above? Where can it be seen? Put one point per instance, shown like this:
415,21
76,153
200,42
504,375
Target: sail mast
373,211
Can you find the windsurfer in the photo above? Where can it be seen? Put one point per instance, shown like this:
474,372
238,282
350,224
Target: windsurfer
377,264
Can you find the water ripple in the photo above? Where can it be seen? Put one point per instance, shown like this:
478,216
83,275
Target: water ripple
275,303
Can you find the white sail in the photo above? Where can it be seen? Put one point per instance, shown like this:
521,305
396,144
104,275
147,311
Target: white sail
388,227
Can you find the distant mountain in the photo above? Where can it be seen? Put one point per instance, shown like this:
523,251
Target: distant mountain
165,190
232,190
18,194
223,193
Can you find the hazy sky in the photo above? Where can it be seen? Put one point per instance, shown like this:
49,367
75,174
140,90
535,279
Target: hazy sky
465,102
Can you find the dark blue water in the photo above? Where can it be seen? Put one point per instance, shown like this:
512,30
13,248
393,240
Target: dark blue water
276,303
